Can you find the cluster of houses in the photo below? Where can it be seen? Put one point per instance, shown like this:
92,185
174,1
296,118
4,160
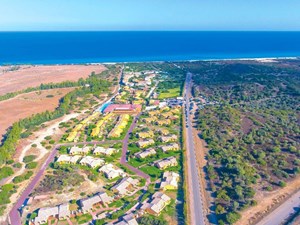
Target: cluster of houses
79,154
86,160
158,113
163,116
75,150
63,211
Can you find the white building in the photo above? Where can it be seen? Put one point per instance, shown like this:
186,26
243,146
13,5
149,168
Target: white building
111,171
91,161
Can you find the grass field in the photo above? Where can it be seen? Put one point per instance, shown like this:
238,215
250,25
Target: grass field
170,93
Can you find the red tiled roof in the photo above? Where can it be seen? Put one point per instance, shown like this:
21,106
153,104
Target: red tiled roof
121,107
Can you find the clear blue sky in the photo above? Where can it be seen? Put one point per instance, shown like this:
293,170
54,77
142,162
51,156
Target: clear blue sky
20,15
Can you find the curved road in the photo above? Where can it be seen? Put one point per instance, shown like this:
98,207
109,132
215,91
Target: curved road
14,215
123,159
194,190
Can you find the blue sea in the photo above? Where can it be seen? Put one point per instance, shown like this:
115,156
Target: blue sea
93,47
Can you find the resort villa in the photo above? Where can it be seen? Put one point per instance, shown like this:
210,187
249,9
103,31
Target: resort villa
68,159
79,151
146,153
104,151
167,162
169,138
169,181
123,187
88,204
91,161
111,171
61,212
157,203
170,147
145,143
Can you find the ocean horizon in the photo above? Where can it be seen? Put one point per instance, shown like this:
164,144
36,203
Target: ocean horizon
143,46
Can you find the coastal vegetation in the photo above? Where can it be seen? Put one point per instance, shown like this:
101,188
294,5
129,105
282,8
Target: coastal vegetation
250,122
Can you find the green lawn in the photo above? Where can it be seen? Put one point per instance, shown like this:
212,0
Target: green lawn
84,218
153,172
171,93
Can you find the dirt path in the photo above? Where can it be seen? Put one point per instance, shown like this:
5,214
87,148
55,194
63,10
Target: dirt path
42,150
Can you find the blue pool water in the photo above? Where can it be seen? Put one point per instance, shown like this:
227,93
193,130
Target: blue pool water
92,47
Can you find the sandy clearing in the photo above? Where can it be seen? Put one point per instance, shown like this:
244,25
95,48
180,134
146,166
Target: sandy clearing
25,105
32,76
40,136
36,139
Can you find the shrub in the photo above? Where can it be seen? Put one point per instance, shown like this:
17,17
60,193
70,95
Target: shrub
232,217
17,165
6,172
29,158
281,184
31,165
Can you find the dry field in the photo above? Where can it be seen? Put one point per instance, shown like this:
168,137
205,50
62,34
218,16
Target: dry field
32,76
24,105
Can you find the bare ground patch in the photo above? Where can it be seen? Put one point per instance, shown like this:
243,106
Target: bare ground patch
25,105
32,76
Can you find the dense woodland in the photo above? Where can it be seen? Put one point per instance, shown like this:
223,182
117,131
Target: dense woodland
252,130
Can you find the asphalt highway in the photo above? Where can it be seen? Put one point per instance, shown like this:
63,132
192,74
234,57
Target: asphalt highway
195,196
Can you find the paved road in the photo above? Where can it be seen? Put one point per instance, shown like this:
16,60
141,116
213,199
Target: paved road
283,212
14,214
123,159
194,191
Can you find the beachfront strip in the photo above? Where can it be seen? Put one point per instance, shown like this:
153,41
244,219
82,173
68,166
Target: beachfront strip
154,147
